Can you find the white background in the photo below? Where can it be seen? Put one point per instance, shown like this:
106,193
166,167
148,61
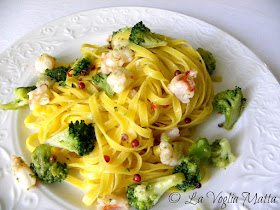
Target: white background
256,23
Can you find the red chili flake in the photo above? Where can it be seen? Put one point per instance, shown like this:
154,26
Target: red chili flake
198,186
82,85
220,125
188,73
110,47
80,79
166,106
177,72
153,105
124,137
53,158
132,77
135,143
137,178
83,72
92,67
107,158
188,120
68,73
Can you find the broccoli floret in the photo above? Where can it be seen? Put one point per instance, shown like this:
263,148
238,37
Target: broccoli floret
230,103
189,166
82,66
44,169
209,60
145,195
101,80
201,149
79,138
58,73
141,35
221,154
126,33
122,30
21,98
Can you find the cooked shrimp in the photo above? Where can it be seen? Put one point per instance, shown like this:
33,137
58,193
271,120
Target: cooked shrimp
120,79
183,86
23,174
114,59
112,202
42,94
44,62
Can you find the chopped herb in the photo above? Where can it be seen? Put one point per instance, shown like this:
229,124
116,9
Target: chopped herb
32,175
116,108
63,84
18,179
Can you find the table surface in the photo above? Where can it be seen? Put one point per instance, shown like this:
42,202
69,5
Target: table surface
256,23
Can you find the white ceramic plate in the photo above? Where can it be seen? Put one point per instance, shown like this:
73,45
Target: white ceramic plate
255,138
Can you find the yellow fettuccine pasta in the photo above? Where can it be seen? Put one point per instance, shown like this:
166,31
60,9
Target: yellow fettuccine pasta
142,111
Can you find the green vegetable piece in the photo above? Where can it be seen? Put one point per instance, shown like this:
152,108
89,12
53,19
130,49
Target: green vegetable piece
209,60
145,195
201,149
230,103
21,98
44,169
79,138
122,30
58,73
101,81
221,154
189,166
82,66
141,35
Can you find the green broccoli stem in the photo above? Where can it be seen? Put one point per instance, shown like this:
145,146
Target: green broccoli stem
79,138
161,185
235,113
21,98
101,81
14,105
59,140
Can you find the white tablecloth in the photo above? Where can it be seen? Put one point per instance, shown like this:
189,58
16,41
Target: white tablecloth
256,23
